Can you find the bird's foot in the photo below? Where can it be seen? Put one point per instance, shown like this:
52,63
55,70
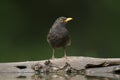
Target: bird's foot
65,57
53,58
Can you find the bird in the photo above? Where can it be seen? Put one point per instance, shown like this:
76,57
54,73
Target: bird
58,35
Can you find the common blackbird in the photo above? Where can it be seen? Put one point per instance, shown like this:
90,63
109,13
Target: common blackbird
58,35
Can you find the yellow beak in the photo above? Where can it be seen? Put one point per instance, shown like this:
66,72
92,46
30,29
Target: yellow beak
68,19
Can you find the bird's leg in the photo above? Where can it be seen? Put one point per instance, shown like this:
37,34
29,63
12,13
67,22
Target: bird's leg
53,57
65,56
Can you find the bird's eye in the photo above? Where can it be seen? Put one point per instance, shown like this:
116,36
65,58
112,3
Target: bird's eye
61,20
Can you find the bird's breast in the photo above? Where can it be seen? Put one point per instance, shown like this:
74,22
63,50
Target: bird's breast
58,38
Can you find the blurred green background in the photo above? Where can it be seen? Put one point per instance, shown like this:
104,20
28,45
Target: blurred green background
24,25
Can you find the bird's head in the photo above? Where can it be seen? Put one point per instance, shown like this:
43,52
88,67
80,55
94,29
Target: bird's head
63,20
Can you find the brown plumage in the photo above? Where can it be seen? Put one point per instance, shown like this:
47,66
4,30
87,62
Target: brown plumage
58,35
